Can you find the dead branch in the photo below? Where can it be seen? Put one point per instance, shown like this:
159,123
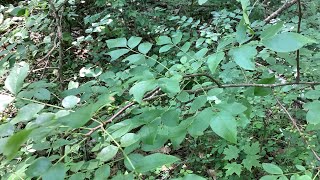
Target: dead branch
280,10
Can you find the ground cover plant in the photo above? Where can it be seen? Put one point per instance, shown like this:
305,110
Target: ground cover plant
148,89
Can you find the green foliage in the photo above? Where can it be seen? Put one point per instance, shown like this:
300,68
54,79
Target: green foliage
158,90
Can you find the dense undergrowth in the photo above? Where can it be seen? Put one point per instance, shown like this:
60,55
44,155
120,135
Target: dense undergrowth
159,90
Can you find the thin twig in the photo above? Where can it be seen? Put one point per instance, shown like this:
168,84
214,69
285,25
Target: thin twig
294,123
280,10
207,75
298,31
58,20
253,85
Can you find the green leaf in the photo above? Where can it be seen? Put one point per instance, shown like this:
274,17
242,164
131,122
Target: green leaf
144,48
107,153
313,113
38,167
185,47
134,41
162,40
233,168
243,56
224,125
201,53
261,91
42,94
119,42
78,176
14,142
56,172
171,117
200,123
176,38
252,149
169,85
102,172
202,1
27,112
70,101
81,116
6,129
136,59
192,177
139,89
286,42
198,102
272,30
251,161
269,177
153,161
232,152
5,100
165,48
117,53
271,168
128,139
312,94
214,60
16,77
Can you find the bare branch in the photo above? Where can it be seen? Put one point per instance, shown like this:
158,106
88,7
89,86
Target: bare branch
204,74
280,10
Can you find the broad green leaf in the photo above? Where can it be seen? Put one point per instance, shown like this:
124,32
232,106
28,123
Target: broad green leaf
286,42
233,168
117,53
244,4
199,42
162,40
81,116
224,125
241,34
16,77
136,59
153,161
251,161
271,168
313,113
299,167
169,85
139,89
107,153
128,139
171,117
176,38
144,48
269,177
191,177
198,102
201,53
14,142
78,176
165,48
231,152
27,112
38,167
42,94
232,108
70,101
102,172
56,172
244,56
119,42
272,30
261,91
6,129
214,60
183,96
202,1
200,123
5,100
312,94
185,47
134,41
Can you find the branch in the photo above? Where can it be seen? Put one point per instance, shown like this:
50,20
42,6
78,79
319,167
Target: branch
59,35
253,85
204,74
280,10
148,97
298,31
294,123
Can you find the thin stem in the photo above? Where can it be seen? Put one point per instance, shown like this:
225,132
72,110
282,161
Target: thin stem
298,31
